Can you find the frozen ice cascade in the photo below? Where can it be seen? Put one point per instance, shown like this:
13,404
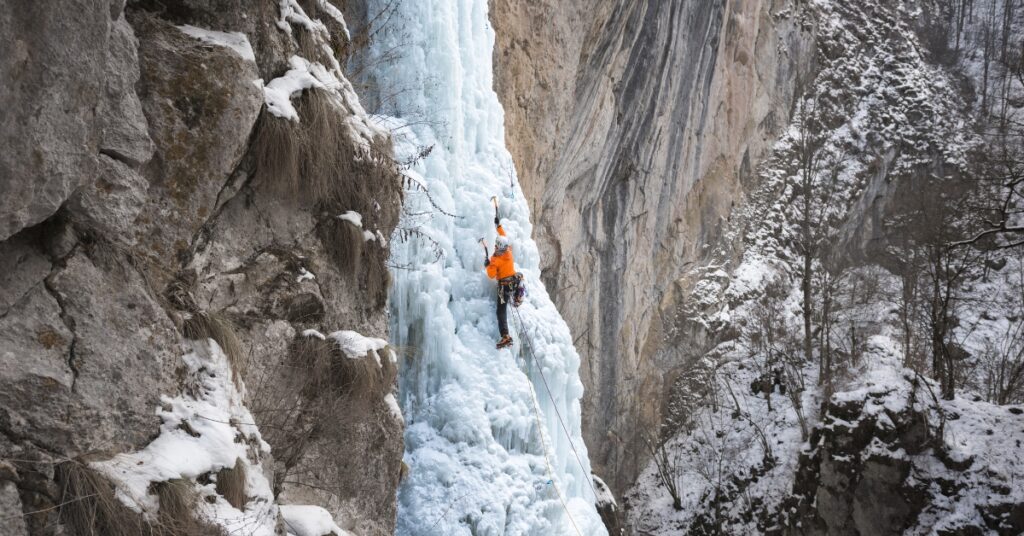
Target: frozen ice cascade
474,443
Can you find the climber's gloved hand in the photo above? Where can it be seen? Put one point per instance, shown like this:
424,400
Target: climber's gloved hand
496,221
487,262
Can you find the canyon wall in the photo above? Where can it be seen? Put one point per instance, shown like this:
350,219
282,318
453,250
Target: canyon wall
634,127
153,198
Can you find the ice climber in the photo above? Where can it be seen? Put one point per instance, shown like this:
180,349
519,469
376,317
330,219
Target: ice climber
502,266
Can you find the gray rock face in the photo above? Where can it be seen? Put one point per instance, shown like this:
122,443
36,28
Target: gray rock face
11,525
49,130
130,202
124,133
634,126
94,294
201,104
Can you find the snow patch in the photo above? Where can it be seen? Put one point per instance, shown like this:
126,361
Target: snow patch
353,217
304,275
278,92
236,41
306,520
392,403
314,333
356,346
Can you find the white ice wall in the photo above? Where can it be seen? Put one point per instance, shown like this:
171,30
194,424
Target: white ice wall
473,444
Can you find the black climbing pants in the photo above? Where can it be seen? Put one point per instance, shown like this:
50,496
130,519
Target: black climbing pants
504,296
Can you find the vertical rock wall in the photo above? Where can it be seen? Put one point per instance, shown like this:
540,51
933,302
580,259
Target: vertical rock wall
634,126
143,185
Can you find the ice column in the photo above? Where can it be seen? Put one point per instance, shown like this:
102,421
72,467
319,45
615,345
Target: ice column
474,443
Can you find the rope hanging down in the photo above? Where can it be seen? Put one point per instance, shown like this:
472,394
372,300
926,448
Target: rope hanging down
547,458
554,405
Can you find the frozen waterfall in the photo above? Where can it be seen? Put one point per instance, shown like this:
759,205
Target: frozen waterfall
482,460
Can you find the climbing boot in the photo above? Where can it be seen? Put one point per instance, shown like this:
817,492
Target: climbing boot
505,342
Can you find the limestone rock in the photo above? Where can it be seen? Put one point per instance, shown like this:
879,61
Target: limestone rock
125,135
121,337
111,203
11,522
201,102
52,54
126,204
36,378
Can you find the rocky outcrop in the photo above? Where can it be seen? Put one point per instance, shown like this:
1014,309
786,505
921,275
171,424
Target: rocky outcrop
145,200
635,127
893,459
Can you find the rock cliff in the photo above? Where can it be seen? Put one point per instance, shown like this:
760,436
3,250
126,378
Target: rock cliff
635,127
154,195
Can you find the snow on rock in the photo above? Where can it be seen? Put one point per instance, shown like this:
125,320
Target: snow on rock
392,403
292,13
314,333
205,428
304,275
278,92
304,74
605,497
356,346
306,520
236,41
353,217
335,14
476,448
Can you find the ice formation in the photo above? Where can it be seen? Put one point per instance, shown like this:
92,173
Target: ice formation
487,453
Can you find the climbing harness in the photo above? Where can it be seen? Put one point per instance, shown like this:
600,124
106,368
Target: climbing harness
513,286
517,316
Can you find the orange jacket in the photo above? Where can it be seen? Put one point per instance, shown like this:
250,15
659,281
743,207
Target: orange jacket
501,265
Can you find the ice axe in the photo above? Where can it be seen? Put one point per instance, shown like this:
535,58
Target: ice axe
484,244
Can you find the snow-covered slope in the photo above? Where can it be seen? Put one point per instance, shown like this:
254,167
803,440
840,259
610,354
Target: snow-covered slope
760,439
485,442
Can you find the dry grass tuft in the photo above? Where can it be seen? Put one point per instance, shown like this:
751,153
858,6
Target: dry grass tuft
231,484
344,244
276,148
403,472
329,370
317,163
205,325
378,279
88,506
178,499
326,150
320,397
